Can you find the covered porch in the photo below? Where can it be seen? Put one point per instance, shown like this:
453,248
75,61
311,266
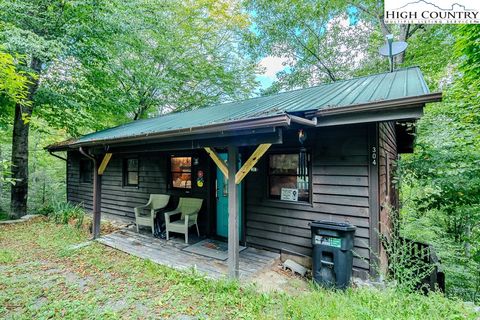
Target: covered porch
171,253
218,160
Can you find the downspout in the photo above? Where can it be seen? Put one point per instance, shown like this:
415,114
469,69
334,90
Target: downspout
304,121
57,156
88,155
97,190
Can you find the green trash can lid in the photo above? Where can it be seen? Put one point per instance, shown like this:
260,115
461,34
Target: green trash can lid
331,225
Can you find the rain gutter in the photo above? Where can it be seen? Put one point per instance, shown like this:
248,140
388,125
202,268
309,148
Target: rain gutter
244,124
382,105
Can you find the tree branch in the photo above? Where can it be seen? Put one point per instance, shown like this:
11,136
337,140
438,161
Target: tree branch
412,30
316,56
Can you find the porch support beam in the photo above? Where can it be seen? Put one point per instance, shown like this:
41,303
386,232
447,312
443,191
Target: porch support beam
103,165
97,200
96,193
251,162
233,237
218,161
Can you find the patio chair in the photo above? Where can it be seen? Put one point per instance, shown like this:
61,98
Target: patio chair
189,208
155,203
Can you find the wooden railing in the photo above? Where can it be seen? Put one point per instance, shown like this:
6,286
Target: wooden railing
420,251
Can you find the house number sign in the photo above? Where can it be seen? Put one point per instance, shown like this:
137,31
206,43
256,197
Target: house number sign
374,156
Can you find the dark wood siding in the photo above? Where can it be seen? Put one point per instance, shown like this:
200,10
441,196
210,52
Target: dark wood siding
77,192
340,193
388,157
120,200
388,194
344,188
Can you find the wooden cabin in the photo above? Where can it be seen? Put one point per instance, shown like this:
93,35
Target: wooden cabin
322,153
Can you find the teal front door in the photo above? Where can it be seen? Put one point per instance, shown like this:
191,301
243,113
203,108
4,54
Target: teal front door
222,203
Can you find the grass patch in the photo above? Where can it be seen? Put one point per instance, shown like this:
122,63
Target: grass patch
4,216
40,277
8,256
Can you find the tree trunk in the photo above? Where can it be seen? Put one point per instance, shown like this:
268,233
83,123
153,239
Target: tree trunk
21,126
18,205
404,34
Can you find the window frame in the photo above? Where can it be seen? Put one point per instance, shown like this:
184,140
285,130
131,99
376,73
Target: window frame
82,174
309,175
126,171
171,172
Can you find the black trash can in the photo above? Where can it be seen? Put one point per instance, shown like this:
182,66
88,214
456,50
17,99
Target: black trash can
332,253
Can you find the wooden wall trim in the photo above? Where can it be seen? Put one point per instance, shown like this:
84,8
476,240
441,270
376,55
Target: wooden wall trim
373,176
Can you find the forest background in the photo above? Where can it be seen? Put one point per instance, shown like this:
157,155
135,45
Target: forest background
69,67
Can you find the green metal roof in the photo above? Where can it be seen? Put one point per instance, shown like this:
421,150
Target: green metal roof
401,83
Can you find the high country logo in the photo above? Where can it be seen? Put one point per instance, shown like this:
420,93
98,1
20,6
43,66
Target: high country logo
432,11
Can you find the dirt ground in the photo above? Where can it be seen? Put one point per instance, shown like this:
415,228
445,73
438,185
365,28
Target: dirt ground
277,279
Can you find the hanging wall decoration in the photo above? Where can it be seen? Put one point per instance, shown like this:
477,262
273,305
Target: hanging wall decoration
200,180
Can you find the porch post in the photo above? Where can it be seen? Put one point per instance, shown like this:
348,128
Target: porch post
97,199
233,238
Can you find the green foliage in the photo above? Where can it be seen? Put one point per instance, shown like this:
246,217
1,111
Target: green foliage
66,213
46,173
316,39
97,282
466,49
323,41
373,304
46,34
13,83
5,172
4,215
8,256
102,62
407,266
441,180
64,99
433,41
180,55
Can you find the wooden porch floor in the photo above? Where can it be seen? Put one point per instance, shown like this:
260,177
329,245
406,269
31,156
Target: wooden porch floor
170,253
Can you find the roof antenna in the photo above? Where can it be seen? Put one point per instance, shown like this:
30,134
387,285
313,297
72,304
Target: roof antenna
392,48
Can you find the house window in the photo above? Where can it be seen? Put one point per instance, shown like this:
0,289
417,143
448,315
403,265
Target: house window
86,171
284,179
130,172
181,172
